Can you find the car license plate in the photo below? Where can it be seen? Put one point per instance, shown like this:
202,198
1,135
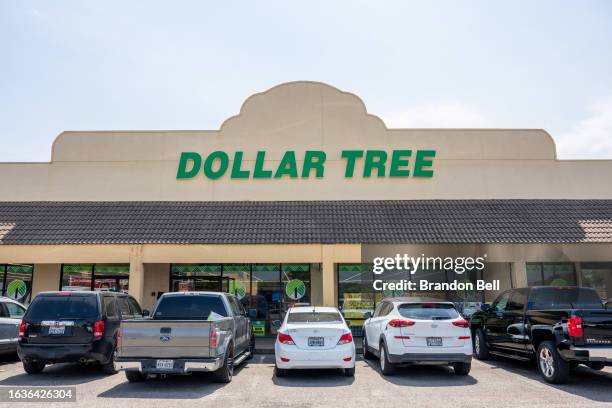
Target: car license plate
316,341
57,330
165,364
434,341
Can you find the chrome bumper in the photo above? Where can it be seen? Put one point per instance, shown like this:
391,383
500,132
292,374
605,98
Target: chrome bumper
189,366
603,354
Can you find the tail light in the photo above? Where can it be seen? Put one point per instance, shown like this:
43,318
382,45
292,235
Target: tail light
22,327
347,358
285,339
284,359
464,337
461,323
401,323
574,326
346,338
98,329
119,340
214,338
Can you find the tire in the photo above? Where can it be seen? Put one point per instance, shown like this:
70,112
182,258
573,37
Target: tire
349,372
553,368
462,368
367,354
225,373
386,368
135,376
481,350
109,368
251,347
596,366
280,372
33,367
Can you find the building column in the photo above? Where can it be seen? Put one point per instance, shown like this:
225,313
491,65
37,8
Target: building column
519,274
328,275
46,277
136,273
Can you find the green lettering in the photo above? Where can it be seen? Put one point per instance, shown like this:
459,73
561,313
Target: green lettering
424,159
351,156
259,171
186,157
237,172
223,163
313,159
399,159
375,159
287,165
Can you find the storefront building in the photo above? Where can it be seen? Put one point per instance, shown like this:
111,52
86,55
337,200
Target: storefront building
279,205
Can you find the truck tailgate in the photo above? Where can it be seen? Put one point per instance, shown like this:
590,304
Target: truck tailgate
166,338
596,326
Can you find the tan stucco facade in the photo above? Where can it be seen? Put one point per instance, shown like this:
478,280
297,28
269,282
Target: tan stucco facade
299,116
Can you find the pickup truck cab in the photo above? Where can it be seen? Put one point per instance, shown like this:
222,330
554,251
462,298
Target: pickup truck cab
560,327
187,332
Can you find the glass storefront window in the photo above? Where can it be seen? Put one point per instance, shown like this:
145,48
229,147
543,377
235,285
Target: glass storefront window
265,290
266,299
16,282
549,273
77,277
597,275
355,294
99,277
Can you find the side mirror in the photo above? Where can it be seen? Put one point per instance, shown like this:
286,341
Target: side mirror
485,307
145,313
367,315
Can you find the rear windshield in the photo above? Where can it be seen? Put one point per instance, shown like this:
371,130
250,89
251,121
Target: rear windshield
190,307
63,307
564,298
317,317
428,311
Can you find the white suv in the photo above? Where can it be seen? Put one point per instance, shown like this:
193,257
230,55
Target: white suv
412,330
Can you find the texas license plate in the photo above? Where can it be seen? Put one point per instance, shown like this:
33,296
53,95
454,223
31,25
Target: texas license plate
57,330
434,341
165,364
316,341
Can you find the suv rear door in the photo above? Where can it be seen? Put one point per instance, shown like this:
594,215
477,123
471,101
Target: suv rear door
62,318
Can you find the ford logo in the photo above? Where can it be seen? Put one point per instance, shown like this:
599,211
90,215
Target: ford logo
165,338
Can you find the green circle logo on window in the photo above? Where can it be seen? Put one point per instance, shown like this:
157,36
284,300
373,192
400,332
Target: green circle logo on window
16,289
295,289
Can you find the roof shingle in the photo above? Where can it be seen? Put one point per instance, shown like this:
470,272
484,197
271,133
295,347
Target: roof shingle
295,222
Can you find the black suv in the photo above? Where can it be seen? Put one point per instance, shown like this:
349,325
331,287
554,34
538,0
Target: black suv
75,326
560,327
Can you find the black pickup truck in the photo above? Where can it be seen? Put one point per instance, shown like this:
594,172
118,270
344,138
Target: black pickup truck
560,327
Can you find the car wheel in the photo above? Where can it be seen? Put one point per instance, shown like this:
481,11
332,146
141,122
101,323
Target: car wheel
349,372
462,368
109,368
225,373
279,372
481,350
385,366
367,354
33,367
551,365
135,376
596,366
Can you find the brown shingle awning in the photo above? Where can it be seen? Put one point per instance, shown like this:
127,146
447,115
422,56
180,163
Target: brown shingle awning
302,222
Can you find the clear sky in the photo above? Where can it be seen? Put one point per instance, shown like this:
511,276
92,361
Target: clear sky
108,65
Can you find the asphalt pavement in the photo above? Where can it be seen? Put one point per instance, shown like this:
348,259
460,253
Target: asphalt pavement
495,383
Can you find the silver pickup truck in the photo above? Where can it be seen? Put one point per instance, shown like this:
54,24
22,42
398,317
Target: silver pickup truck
187,332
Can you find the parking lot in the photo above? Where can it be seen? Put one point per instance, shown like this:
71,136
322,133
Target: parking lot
494,383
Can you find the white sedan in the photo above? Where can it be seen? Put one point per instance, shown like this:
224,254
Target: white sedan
314,337
406,331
